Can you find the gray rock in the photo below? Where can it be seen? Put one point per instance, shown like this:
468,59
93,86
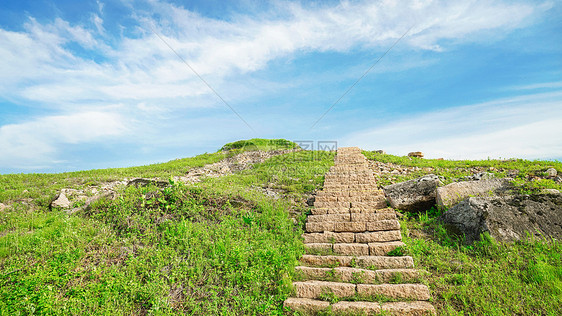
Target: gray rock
310,200
414,195
380,151
3,207
551,172
550,191
507,218
455,192
61,200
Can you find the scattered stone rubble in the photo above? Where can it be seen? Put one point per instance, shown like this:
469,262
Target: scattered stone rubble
231,165
352,229
67,198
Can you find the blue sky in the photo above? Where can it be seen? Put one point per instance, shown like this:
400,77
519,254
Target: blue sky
90,84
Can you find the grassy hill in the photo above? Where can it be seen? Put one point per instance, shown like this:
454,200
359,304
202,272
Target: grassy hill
228,245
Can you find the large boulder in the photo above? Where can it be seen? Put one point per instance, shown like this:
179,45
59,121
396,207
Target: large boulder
507,218
413,195
455,192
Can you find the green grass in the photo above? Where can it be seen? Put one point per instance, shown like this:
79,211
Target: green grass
220,247
486,278
527,180
224,247
42,187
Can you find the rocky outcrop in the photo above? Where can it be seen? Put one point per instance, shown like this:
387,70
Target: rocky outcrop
414,195
230,165
66,198
507,218
455,192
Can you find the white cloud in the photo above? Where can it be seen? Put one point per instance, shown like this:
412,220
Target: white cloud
523,127
542,85
36,141
98,22
37,65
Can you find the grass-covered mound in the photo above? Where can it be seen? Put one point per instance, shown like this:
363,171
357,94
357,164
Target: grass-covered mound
260,144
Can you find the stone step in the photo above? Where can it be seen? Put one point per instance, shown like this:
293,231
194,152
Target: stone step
332,204
345,217
343,210
312,306
352,199
316,289
356,275
306,305
328,237
376,215
412,308
352,249
378,236
353,174
349,178
367,206
355,170
346,192
383,248
353,183
353,217
342,185
329,210
367,262
418,292
385,230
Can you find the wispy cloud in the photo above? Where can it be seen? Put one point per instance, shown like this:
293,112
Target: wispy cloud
525,127
39,65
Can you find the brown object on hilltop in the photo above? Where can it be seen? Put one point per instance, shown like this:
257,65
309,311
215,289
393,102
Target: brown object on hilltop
417,154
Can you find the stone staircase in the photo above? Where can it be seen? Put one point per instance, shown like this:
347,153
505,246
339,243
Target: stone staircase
347,239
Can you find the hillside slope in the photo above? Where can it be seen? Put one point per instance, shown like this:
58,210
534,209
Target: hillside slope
228,245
